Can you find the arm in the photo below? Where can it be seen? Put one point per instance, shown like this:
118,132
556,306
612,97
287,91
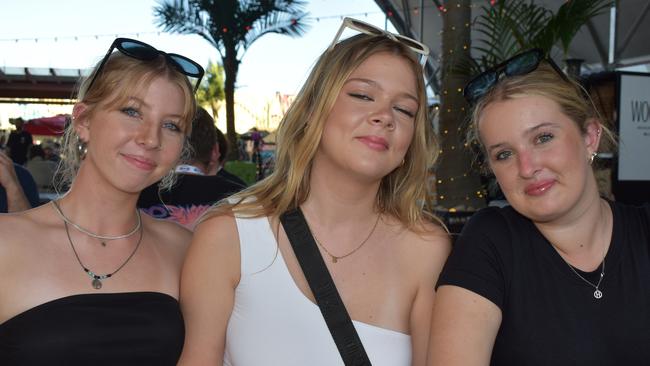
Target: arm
432,258
463,328
16,199
210,275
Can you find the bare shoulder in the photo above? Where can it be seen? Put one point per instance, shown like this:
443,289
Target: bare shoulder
168,236
218,232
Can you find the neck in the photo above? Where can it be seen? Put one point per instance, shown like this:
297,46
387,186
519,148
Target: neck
99,208
584,240
340,199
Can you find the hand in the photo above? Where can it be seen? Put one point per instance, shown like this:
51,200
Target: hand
8,178
16,199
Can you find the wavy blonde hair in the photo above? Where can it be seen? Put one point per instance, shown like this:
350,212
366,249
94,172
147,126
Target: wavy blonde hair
120,78
573,99
401,193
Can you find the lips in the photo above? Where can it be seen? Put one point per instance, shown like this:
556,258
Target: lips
140,162
539,188
374,142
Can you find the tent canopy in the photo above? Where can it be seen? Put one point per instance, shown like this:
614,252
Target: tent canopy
47,126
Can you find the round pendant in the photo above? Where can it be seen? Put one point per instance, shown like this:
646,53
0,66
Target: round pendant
334,259
97,284
598,294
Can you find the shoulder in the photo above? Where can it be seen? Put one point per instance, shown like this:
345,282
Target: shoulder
168,235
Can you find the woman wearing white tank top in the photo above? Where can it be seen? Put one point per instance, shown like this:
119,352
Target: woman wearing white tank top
353,154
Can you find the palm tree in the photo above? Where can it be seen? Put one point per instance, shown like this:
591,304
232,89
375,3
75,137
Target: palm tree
231,26
211,91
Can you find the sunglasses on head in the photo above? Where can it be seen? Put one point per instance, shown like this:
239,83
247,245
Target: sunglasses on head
370,29
521,64
142,51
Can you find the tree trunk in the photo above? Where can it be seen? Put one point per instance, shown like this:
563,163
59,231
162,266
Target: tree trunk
231,66
459,186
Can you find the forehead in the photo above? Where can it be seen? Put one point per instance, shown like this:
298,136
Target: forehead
386,67
515,116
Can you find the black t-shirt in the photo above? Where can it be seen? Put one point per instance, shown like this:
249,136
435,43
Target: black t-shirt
549,315
188,199
19,143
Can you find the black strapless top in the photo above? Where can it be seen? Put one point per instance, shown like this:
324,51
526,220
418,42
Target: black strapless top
130,328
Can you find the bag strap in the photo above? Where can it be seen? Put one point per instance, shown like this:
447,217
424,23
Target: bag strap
322,286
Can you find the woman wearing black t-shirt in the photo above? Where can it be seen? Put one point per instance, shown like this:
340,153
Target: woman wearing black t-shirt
560,277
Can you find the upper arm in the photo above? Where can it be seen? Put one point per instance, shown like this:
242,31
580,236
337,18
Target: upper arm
436,248
210,275
463,328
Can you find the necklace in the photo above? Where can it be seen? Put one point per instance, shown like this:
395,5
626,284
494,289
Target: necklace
97,278
102,238
335,258
597,294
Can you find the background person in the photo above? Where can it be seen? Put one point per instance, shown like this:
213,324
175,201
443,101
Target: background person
86,279
19,142
560,277
353,154
218,167
40,168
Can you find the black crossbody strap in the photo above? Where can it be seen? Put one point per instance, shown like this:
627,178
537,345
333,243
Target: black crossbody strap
322,286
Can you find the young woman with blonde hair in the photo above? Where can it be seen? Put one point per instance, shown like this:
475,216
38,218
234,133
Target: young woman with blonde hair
353,156
86,279
560,276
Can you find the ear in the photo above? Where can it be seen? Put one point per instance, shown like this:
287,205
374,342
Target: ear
592,135
215,155
80,121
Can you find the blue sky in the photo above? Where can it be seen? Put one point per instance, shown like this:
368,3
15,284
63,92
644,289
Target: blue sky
77,33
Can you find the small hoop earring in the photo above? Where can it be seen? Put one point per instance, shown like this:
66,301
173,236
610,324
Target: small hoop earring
592,157
82,148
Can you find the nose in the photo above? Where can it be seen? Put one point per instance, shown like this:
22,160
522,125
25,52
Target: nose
149,136
527,164
383,116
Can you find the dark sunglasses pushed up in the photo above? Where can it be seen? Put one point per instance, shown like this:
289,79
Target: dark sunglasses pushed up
142,51
521,64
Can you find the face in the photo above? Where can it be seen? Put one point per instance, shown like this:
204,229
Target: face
134,144
539,156
370,127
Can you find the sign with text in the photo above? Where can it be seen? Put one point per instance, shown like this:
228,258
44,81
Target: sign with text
634,127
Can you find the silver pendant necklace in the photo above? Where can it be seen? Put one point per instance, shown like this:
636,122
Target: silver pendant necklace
97,279
597,293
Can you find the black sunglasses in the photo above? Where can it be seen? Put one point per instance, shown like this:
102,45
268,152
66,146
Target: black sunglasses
521,64
142,51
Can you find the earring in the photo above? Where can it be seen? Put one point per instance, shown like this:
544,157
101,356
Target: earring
82,148
592,157
403,161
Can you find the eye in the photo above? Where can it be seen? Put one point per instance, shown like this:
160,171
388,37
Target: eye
172,126
502,155
360,96
405,111
544,138
131,112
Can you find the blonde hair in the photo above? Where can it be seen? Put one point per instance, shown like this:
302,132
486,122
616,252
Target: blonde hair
401,193
120,78
545,81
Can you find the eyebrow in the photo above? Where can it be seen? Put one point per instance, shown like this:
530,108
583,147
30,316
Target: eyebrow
375,84
528,131
144,104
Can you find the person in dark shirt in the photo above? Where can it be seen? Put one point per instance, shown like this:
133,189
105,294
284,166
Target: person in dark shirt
194,191
19,142
559,277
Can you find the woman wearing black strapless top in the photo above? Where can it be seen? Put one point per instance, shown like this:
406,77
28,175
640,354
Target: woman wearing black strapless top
85,279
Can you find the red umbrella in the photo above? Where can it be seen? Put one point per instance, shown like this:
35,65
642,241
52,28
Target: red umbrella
49,126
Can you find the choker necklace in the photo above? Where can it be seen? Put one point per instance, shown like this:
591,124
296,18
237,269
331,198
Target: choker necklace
597,294
97,278
102,238
335,258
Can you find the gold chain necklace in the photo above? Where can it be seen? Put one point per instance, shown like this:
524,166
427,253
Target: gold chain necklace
335,258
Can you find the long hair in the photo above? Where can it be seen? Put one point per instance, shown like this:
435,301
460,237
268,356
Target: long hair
401,193
120,78
573,100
